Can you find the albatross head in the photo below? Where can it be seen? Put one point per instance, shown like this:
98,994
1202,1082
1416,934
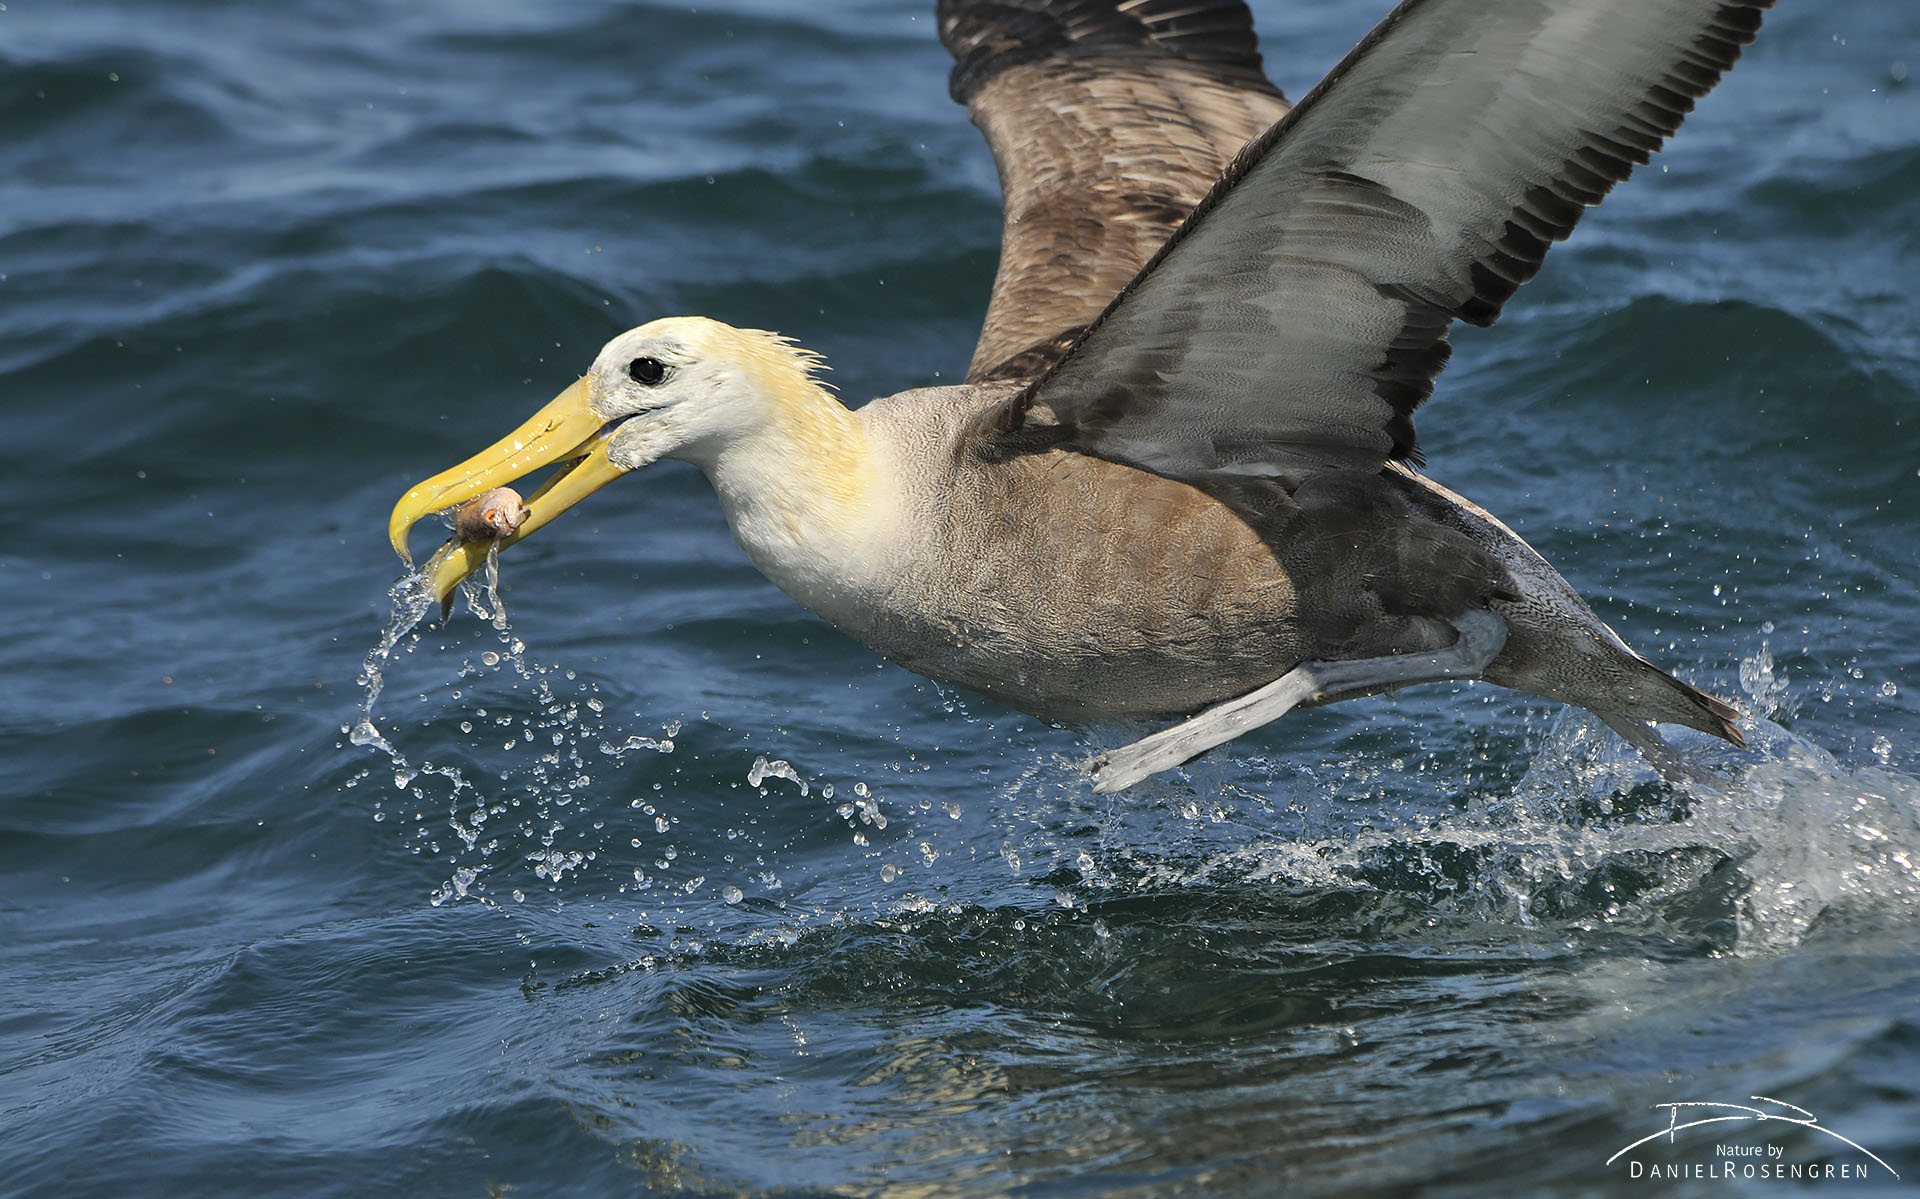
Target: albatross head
682,387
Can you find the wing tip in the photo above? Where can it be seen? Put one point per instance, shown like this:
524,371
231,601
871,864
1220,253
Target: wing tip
989,37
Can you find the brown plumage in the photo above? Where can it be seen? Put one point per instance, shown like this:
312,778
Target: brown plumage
1108,127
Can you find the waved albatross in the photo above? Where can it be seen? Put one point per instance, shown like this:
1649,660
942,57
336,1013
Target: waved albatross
1179,480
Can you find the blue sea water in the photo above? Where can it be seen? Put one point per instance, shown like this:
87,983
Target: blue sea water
667,887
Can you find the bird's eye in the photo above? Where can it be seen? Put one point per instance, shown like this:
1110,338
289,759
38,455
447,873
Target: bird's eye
647,371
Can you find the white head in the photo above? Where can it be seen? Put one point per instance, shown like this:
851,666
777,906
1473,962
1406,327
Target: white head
691,388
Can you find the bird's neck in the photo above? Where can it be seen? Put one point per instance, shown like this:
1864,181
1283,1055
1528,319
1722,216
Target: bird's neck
806,499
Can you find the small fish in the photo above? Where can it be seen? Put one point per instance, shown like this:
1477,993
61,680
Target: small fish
498,513
493,516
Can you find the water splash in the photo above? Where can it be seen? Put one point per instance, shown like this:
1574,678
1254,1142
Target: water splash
542,797
1766,689
662,745
1589,838
1583,838
412,598
482,592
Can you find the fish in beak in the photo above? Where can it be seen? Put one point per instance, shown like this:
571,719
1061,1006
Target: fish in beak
567,432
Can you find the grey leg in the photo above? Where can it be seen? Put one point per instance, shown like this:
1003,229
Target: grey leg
1482,633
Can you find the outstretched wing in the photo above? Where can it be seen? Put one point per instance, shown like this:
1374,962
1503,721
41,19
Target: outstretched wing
1299,317
1108,120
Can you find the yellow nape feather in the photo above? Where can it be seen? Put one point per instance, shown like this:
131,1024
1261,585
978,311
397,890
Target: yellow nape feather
817,443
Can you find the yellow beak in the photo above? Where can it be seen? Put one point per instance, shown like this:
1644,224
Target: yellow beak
567,431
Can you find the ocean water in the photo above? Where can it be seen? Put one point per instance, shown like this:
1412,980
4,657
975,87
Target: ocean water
666,887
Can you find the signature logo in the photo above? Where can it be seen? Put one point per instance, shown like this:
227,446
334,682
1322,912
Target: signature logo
1698,1114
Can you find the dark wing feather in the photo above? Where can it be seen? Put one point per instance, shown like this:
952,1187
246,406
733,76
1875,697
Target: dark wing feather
1299,317
1108,120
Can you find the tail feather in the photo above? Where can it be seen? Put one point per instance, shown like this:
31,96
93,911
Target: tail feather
1683,703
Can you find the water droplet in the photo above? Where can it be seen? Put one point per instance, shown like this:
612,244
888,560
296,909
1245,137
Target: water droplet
1889,689
732,895
762,769
490,658
466,726
889,872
